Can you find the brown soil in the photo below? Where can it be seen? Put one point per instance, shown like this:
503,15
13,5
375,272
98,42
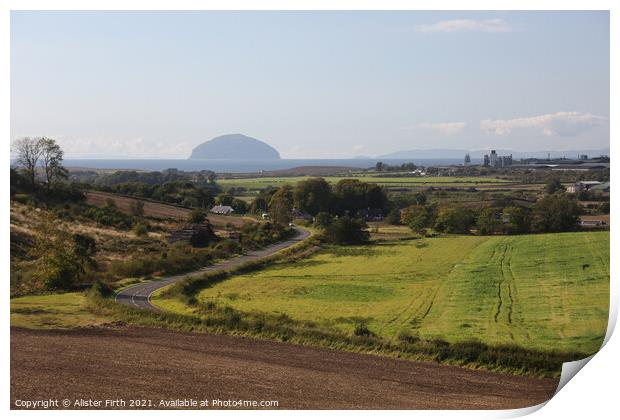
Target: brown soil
154,364
156,209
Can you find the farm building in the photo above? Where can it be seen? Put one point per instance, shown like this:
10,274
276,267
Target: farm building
604,187
226,210
582,185
592,223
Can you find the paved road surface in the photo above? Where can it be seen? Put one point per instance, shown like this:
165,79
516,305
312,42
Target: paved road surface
151,363
140,294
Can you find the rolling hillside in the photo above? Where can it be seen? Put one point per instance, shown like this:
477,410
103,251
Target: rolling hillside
538,291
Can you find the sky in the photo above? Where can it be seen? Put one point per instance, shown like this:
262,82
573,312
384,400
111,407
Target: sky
311,84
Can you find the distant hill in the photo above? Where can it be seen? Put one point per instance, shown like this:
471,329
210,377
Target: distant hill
426,154
234,146
477,154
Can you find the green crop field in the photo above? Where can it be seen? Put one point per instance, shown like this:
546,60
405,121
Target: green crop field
543,292
61,310
262,182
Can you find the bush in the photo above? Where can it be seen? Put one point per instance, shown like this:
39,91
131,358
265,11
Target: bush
108,216
227,247
417,217
197,216
179,259
455,220
240,206
393,217
346,230
256,235
556,213
203,235
361,330
102,289
406,337
323,220
140,229
22,198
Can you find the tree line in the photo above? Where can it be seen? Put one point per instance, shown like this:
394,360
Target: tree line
35,156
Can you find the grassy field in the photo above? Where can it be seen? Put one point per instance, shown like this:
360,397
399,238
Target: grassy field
539,291
63,310
262,182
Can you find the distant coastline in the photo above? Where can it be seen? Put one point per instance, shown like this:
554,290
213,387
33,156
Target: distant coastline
242,166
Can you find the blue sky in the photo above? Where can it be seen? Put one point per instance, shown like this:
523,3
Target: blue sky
311,84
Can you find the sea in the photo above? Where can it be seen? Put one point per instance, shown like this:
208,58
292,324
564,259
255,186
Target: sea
242,166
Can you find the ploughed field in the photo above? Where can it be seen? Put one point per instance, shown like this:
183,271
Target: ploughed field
155,364
547,292
157,209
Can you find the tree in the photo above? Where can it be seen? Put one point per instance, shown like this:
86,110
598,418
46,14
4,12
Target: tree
417,217
455,220
240,206
85,246
379,167
137,208
393,217
259,205
556,213
140,229
197,216
224,199
518,219
281,206
554,185
61,256
352,195
322,220
51,158
420,198
346,230
203,235
488,220
27,152
313,195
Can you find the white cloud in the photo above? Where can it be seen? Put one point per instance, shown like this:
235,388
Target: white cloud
456,25
358,147
444,128
560,123
137,147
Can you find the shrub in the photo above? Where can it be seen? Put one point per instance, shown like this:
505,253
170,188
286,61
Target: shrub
227,247
455,220
346,230
393,217
197,216
22,198
361,330
140,229
406,337
556,213
102,289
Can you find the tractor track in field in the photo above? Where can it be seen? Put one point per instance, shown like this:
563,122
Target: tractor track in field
506,278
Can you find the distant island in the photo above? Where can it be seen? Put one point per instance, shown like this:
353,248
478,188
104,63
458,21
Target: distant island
235,146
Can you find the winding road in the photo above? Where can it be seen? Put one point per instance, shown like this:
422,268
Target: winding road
139,295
